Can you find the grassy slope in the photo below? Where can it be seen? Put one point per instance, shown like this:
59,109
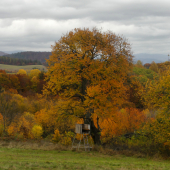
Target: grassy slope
16,68
12,158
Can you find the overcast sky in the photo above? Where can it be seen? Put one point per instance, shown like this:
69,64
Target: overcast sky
35,25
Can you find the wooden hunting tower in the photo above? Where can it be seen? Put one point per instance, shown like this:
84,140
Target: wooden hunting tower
84,130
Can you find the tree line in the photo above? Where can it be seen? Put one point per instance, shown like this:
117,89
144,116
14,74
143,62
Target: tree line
17,61
30,55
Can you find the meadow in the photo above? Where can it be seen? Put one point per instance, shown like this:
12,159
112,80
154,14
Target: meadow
57,158
15,68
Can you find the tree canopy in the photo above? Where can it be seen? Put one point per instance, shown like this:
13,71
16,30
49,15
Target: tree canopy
88,69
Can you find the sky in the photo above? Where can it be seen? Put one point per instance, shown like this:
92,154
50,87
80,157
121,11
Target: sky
35,25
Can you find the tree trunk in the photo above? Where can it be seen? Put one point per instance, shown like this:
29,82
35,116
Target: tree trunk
94,131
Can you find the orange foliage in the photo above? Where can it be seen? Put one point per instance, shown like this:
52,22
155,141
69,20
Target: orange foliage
14,91
50,120
1,118
23,126
2,71
5,82
14,81
12,129
46,118
80,121
124,121
56,136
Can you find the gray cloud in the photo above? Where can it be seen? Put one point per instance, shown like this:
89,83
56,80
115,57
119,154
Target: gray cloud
37,24
97,9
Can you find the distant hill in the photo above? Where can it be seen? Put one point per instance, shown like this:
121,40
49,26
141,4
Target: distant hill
2,53
30,55
12,52
148,58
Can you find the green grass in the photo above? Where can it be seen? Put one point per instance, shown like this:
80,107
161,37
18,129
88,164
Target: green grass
16,68
12,158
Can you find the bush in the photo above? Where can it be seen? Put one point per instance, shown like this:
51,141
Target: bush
67,138
56,137
37,131
12,129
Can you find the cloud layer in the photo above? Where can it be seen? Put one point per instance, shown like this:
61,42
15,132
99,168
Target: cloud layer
36,24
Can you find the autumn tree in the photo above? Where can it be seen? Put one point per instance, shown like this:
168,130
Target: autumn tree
157,93
139,64
154,67
88,70
34,73
9,108
24,82
5,82
22,71
163,67
14,81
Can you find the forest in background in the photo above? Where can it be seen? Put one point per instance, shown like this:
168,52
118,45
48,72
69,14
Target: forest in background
90,75
31,55
17,61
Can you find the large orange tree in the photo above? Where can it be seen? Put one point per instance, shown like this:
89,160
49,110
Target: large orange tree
88,69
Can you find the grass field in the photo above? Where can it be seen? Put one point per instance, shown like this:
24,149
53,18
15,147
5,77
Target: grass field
16,68
21,159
